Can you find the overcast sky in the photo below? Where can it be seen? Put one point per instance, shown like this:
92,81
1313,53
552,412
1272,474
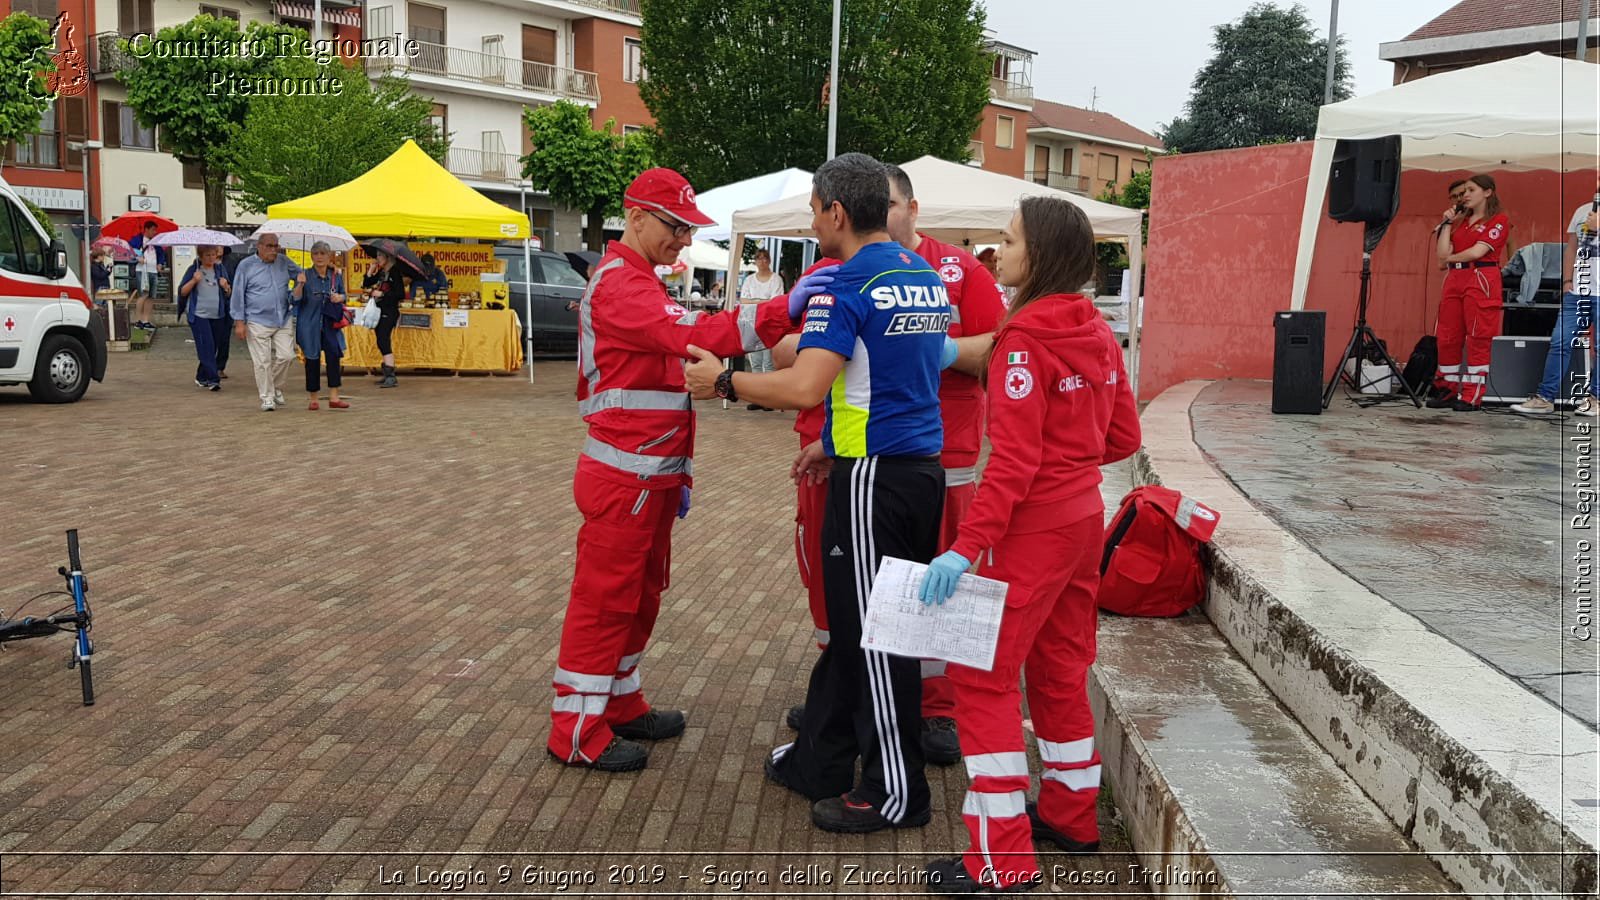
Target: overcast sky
1142,55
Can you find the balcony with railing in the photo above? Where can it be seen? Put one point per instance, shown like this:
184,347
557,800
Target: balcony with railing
483,165
1078,184
491,72
105,57
628,7
1011,91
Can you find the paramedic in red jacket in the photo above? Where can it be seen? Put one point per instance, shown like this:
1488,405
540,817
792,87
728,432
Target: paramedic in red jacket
1059,408
1471,241
634,474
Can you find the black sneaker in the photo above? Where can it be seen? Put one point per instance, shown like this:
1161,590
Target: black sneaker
753,407
775,775
619,756
797,714
1464,406
949,877
655,725
940,744
1436,392
1441,401
1043,832
849,816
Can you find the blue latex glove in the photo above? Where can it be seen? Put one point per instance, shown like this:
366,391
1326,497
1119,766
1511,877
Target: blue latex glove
940,582
947,356
806,288
683,502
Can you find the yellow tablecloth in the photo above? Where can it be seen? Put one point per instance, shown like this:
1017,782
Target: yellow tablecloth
491,342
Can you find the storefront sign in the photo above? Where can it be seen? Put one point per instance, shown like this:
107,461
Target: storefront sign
144,203
50,197
463,263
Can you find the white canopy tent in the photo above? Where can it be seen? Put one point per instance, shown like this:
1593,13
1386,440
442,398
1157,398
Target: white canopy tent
720,204
706,255
965,205
1527,113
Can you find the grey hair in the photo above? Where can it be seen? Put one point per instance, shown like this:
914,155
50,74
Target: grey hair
901,180
857,182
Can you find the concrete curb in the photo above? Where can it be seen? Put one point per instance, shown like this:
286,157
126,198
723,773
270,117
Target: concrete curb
1470,765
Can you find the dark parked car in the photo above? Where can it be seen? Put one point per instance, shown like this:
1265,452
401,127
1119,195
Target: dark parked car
556,287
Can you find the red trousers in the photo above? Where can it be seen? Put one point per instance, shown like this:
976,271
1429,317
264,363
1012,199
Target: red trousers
1048,632
938,697
1469,313
810,500
624,555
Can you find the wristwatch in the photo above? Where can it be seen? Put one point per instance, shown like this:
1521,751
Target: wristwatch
724,386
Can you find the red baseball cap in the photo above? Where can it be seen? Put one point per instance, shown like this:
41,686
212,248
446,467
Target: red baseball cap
667,191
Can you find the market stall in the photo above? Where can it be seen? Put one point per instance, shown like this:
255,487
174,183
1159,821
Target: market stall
410,195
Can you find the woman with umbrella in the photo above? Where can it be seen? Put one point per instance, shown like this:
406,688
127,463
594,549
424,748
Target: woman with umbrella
204,293
385,278
318,318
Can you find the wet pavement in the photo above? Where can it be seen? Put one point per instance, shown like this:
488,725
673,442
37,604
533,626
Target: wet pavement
1463,520
325,642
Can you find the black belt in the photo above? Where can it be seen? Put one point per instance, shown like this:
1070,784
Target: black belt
1475,264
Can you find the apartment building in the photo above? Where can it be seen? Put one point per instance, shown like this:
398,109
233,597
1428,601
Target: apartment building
1474,32
1084,150
1000,142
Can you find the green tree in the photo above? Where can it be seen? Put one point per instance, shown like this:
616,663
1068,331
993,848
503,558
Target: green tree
737,86
298,145
22,90
1135,194
1263,85
42,217
583,167
200,102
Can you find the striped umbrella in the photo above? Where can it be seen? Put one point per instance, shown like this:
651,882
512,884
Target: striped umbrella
195,237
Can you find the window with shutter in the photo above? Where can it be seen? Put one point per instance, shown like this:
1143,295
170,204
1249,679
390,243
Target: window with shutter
192,177
134,135
111,123
75,128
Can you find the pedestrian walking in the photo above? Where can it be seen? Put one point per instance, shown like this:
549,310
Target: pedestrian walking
264,287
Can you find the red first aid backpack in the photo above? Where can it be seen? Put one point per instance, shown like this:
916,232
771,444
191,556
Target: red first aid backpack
1151,565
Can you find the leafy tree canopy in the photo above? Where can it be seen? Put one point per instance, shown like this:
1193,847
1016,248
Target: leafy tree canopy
1263,85
583,167
22,98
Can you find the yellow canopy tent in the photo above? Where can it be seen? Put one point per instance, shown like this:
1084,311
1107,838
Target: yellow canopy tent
407,195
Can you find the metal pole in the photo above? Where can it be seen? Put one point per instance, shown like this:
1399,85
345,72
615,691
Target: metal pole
1583,30
88,277
527,284
316,20
833,86
1333,51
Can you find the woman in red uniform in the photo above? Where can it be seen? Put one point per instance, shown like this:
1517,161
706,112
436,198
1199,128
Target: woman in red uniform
1471,242
1059,408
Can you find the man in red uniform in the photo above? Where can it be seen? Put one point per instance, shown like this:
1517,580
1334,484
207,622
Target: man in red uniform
634,474
977,304
1471,240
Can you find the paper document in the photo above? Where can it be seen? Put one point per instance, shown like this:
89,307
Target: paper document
965,629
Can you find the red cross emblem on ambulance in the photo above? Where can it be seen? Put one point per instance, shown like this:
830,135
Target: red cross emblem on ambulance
11,324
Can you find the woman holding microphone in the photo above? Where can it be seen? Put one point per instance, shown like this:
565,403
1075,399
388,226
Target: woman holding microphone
1059,408
1471,242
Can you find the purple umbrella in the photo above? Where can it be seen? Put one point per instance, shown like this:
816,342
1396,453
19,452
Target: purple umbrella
119,248
195,237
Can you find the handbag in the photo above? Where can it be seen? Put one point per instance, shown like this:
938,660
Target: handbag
338,312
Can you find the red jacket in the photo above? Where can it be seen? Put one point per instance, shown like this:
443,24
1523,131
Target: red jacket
632,340
1059,408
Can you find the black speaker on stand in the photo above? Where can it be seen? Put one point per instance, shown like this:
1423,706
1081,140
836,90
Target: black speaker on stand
1364,186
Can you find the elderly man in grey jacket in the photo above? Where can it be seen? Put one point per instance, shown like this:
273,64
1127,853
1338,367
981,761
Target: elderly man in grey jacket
264,286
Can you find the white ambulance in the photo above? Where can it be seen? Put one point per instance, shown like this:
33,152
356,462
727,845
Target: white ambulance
51,338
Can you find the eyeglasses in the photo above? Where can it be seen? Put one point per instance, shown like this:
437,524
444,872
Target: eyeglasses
678,231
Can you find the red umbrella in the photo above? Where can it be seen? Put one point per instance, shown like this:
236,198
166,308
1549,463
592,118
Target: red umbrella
127,225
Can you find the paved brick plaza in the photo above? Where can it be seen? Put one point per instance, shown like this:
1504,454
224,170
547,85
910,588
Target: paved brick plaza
334,631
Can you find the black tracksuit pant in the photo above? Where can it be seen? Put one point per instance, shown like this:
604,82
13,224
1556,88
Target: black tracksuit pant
867,704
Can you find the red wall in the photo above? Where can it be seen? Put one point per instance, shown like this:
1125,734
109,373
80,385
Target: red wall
1220,259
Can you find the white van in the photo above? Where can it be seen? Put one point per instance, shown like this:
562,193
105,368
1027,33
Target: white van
51,337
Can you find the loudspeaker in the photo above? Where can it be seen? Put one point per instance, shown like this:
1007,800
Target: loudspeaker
1297,361
1516,366
1364,181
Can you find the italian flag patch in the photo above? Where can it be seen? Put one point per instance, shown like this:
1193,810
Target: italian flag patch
1019,358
